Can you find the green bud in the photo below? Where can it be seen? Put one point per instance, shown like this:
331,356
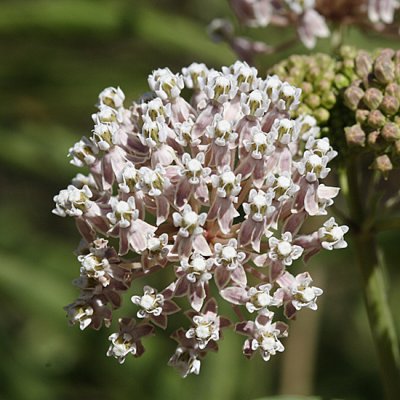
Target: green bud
391,132
341,81
363,64
306,88
303,109
352,96
362,116
323,85
313,100
376,119
355,136
373,98
296,74
328,99
390,105
384,68
383,164
321,115
347,52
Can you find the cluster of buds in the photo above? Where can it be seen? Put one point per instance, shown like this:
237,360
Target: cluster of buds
215,190
374,98
310,18
316,76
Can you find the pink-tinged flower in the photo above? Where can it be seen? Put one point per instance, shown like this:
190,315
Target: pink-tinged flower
206,325
213,190
128,339
193,276
382,10
229,264
156,306
263,336
253,12
186,358
297,293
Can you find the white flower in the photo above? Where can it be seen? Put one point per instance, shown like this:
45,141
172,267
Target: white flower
331,235
221,131
220,87
104,135
259,205
304,295
259,298
72,201
122,212
121,345
83,153
194,168
260,143
166,84
150,303
283,249
206,328
228,255
112,97
194,75
152,181
226,183
189,222
254,104
129,178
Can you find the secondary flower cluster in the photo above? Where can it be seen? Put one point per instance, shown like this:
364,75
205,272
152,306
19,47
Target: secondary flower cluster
311,19
357,93
212,191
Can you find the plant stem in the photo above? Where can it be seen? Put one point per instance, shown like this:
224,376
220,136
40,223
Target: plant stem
370,263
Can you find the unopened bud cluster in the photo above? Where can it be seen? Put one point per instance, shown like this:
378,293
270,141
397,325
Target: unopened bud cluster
374,97
316,76
362,98
212,192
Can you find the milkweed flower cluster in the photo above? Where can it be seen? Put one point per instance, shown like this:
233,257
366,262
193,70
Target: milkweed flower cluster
213,191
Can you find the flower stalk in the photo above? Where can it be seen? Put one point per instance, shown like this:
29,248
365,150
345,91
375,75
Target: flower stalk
370,262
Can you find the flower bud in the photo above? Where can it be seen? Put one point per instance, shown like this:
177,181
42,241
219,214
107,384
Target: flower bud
390,105
373,98
313,101
376,119
383,164
373,138
321,115
306,88
352,96
384,68
391,132
393,89
362,116
363,64
328,100
341,81
355,136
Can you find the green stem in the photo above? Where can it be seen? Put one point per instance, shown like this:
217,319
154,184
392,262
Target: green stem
371,266
370,262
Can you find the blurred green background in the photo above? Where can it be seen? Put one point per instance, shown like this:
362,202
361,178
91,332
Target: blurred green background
56,56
